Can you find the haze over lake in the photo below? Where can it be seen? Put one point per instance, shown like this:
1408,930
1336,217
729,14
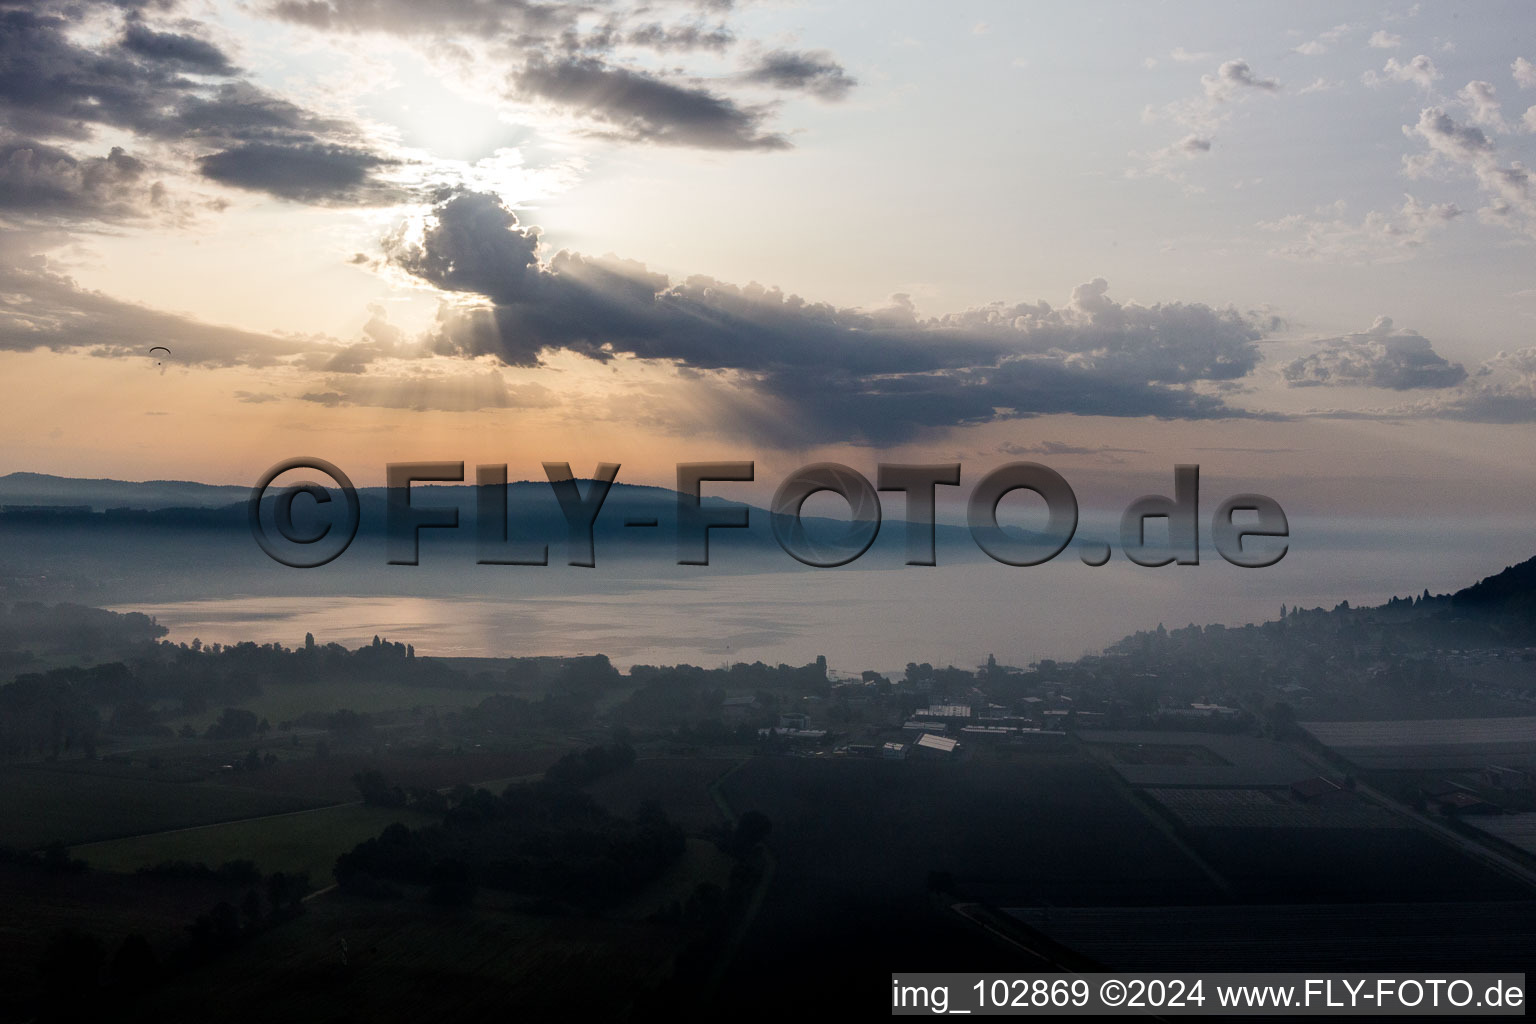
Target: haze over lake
650,612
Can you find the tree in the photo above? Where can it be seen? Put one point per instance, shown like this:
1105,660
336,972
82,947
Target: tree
751,829
135,968
71,968
376,790
250,908
234,724
1280,720
452,884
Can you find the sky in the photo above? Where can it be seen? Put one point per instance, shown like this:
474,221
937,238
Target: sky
1291,243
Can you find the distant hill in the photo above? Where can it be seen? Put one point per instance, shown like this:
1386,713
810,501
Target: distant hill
1511,592
43,489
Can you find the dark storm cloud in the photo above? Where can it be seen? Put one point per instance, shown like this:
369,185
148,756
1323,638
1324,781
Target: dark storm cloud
307,173
484,18
641,107
555,54
39,181
172,88
667,39
51,87
841,373
1380,357
173,48
814,73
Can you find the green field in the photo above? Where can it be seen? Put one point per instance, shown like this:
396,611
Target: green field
280,703
308,841
42,804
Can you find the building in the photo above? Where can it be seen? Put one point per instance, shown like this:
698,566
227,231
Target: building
988,733
947,711
1464,803
894,751
1314,788
797,735
1508,780
929,744
737,709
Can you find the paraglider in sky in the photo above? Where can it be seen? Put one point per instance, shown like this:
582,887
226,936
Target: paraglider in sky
160,354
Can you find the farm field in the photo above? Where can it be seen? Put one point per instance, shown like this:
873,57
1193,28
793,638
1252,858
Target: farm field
1381,937
36,905
41,804
1450,744
329,780
279,703
1518,830
307,841
855,841
1349,865
408,960
1197,759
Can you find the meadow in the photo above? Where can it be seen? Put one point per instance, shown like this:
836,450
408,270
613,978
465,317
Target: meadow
301,841
41,804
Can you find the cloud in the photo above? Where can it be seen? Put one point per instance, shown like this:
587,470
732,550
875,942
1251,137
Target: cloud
641,107
814,73
1326,41
171,48
1056,449
1524,72
590,62
1378,237
306,172
41,309
1379,357
1184,56
433,392
1420,71
1232,77
1501,391
174,89
1381,39
1451,144
831,373
668,39
43,182
1483,104
1201,117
